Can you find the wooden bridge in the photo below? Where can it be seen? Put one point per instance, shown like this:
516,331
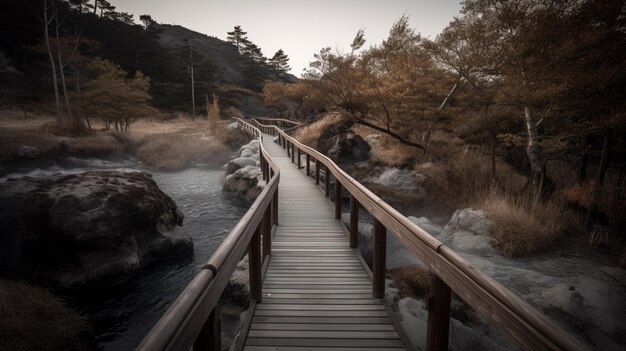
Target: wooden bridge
309,287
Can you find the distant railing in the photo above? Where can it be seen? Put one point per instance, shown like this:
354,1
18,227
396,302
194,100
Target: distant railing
282,123
193,318
522,323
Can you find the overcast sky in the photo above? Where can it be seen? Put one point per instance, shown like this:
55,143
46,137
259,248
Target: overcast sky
300,28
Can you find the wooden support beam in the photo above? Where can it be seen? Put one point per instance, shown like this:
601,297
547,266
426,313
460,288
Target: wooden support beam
267,232
354,222
308,165
438,305
293,153
299,158
275,208
317,172
380,258
326,181
210,337
255,265
337,199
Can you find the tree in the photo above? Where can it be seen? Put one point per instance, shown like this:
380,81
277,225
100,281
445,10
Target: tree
213,112
115,98
279,62
253,52
49,15
393,87
147,20
238,38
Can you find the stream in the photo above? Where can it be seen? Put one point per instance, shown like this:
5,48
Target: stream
124,314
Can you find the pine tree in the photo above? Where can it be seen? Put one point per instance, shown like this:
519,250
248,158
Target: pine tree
238,37
279,62
253,52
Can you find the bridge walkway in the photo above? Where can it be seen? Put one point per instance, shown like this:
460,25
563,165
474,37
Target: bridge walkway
316,292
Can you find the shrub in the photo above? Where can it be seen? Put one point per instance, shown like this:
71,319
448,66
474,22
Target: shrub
522,227
412,281
33,319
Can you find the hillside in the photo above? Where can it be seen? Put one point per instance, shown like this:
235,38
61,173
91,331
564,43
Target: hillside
161,52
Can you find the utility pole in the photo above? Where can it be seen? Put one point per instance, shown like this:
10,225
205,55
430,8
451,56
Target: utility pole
193,93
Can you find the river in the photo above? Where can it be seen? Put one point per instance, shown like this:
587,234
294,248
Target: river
123,315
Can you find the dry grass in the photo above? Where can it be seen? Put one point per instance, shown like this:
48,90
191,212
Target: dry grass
521,226
11,141
172,152
33,319
412,281
309,133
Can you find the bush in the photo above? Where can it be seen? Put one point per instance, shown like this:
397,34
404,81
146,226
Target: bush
522,227
33,319
412,281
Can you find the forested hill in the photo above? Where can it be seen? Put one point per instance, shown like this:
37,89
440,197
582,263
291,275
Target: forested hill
161,52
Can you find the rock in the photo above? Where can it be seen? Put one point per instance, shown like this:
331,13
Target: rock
373,139
426,224
246,153
244,182
109,139
252,146
341,145
237,291
233,126
468,232
399,179
83,230
28,152
233,165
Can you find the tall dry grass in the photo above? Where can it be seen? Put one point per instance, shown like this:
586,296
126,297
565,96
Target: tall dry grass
33,319
310,133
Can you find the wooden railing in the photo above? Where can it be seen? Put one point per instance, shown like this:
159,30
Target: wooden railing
281,123
193,318
523,324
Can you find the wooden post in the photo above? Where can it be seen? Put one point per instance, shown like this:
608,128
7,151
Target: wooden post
337,199
326,181
354,222
299,157
380,257
438,305
210,337
293,153
308,165
254,265
267,232
275,208
317,172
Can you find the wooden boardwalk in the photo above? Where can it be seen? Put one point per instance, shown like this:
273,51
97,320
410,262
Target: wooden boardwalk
316,292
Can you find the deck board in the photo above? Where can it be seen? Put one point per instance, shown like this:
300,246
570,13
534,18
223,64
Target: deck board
316,293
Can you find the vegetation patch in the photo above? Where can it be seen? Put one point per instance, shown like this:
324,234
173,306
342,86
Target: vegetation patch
411,281
523,228
33,319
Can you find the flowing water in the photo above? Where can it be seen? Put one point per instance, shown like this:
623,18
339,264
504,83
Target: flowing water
124,314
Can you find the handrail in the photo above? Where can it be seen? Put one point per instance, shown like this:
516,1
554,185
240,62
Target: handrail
279,122
192,318
526,326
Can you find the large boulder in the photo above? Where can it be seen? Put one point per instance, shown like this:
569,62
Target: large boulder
240,162
244,182
341,145
83,230
468,232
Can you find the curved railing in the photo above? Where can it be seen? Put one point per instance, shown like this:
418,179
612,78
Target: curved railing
526,326
282,123
193,318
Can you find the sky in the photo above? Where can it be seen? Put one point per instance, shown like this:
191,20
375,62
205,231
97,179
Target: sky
299,28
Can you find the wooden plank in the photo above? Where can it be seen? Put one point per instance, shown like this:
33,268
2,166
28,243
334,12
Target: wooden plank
321,320
318,295
318,307
307,313
295,348
337,327
328,301
323,334
324,342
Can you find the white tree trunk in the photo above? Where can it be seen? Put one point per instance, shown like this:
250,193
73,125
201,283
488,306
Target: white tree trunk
446,101
61,69
46,23
533,149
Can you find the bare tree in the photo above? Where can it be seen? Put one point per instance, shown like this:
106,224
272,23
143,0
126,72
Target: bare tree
48,18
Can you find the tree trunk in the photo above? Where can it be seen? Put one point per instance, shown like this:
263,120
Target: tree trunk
494,175
62,71
57,101
449,97
584,165
95,6
599,185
